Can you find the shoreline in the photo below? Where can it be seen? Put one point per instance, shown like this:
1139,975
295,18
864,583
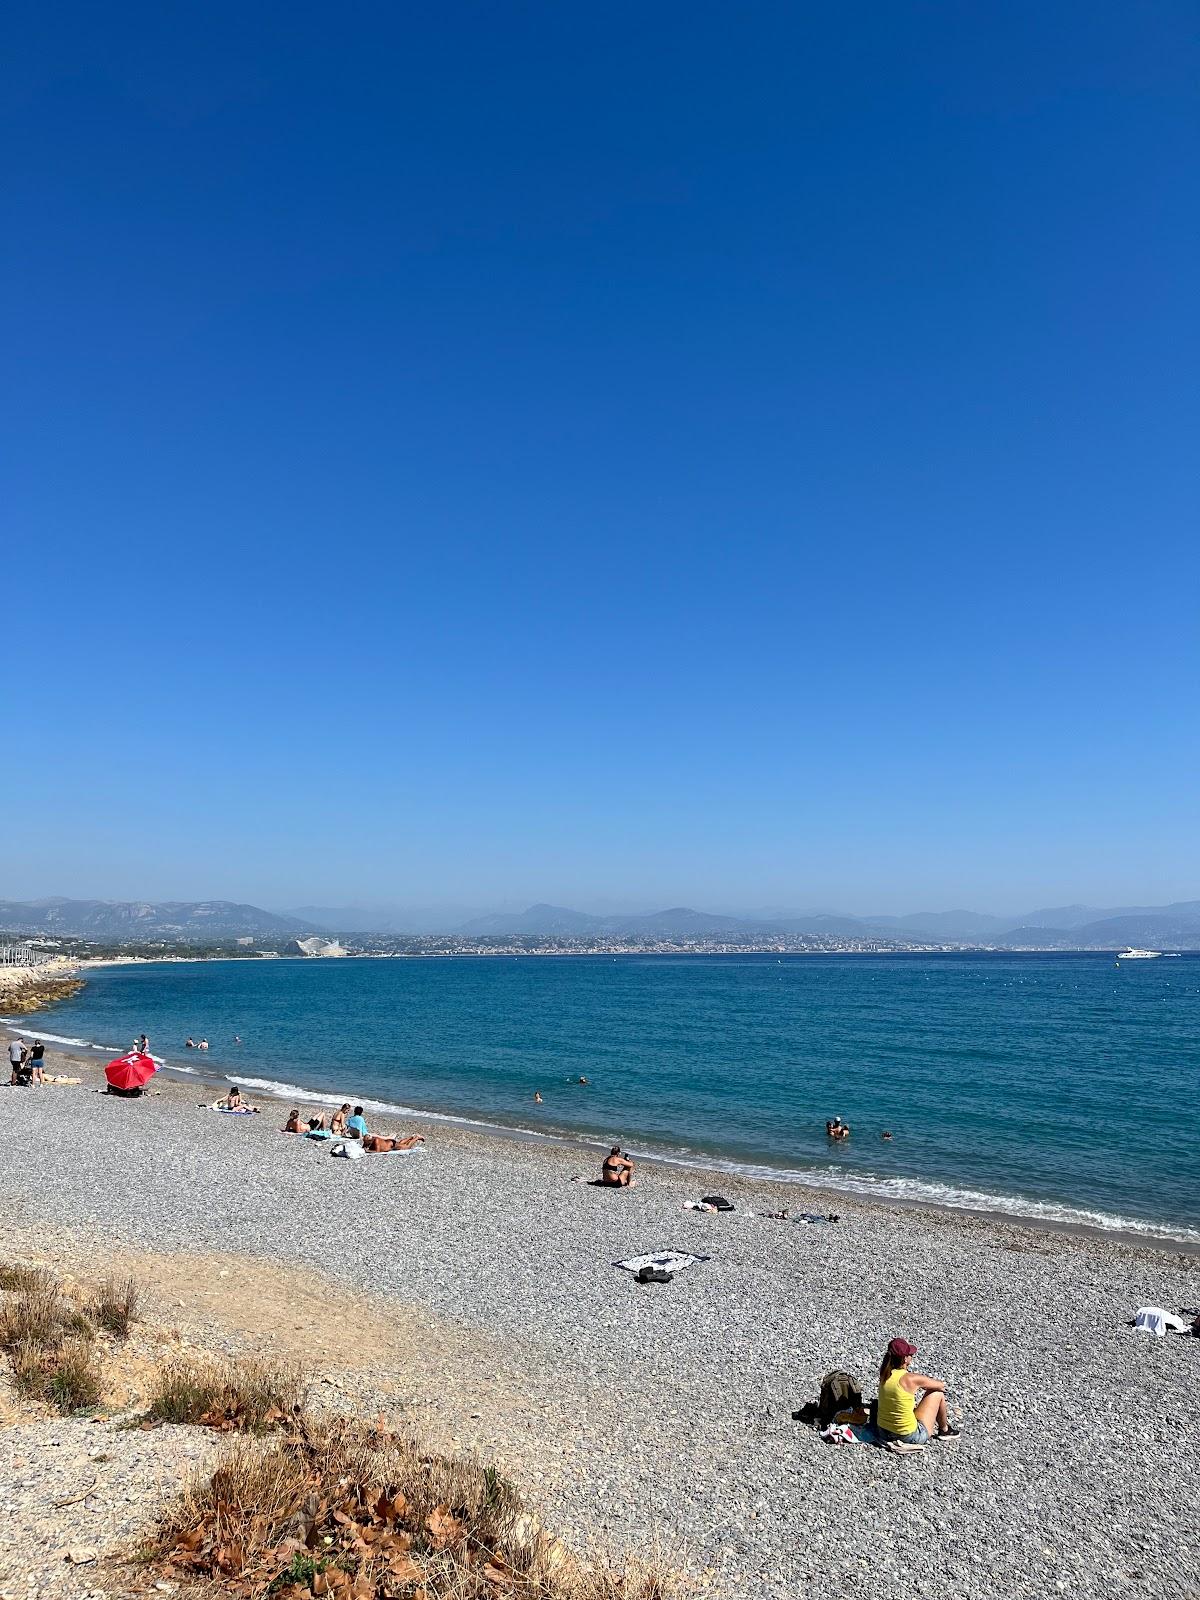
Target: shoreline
625,1411
784,1185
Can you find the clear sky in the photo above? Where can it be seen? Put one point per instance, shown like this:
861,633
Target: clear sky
673,453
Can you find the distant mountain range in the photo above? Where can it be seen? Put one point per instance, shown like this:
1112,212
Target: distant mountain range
382,919
1075,927
1172,927
185,921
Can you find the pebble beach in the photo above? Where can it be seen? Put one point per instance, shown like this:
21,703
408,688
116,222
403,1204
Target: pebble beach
638,1415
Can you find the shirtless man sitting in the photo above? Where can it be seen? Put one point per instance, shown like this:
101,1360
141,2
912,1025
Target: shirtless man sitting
617,1171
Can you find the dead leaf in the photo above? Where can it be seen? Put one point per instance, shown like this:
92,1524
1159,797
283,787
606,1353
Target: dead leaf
404,1569
443,1529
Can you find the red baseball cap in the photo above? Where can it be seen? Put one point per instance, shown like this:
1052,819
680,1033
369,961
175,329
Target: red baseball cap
901,1347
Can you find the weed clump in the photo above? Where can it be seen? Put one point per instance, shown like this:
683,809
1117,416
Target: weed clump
339,1509
15,1278
63,1375
115,1305
36,1315
249,1396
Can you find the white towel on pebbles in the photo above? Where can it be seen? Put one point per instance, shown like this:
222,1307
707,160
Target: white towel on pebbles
1153,1319
665,1260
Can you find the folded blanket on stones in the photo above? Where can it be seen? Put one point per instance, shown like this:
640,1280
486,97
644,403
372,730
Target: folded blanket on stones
665,1260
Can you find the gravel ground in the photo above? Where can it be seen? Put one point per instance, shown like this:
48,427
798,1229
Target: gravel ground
665,1411
113,1483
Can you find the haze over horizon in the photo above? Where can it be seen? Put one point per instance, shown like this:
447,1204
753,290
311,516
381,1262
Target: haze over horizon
491,456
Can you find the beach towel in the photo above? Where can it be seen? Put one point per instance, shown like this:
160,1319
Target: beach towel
1153,1319
235,1111
664,1260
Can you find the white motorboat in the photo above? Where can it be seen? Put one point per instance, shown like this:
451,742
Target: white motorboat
1138,955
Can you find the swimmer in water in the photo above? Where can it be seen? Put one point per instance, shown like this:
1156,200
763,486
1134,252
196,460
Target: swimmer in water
537,1097
583,1080
885,1136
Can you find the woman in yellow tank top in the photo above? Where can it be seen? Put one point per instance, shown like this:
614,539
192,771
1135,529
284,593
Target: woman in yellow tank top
901,1417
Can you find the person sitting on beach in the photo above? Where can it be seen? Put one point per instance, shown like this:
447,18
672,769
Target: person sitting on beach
292,1125
617,1171
337,1122
381,1143
901,1417
356,1127
233,1102
316,1129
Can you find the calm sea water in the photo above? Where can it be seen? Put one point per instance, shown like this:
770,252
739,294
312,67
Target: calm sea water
1059,1086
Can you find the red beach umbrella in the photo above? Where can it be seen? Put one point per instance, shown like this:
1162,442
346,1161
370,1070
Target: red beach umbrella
130,1071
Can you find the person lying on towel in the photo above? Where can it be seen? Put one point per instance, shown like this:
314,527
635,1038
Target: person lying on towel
617,1171
382,1143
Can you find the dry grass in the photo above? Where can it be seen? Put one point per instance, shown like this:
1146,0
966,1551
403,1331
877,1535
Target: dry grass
249,1395
342,1510
48,1340
115,1305
63,1375
15,1278
38,1315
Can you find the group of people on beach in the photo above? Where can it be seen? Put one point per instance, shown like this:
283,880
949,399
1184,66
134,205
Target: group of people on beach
347,1124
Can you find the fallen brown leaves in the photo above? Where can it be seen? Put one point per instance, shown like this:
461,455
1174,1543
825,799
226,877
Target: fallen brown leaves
355,1513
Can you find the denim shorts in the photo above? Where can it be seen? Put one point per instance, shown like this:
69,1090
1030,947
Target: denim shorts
921,1436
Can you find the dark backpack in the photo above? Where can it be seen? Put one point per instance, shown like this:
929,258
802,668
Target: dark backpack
717,1200
839,1392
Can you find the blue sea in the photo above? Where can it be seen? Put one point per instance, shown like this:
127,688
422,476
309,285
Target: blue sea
1055,1086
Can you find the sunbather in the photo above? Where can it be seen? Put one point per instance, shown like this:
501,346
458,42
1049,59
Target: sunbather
902,1418
292,1125
382,1143
617,1171
337,1122
356,1126
233,1102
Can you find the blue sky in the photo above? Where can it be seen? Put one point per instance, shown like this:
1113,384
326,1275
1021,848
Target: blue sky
644,453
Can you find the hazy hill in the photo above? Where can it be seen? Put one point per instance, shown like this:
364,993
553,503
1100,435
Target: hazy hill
1168,929
118,920
943,924
381,919
540,919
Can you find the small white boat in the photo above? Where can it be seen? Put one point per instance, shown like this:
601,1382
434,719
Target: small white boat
1138,955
